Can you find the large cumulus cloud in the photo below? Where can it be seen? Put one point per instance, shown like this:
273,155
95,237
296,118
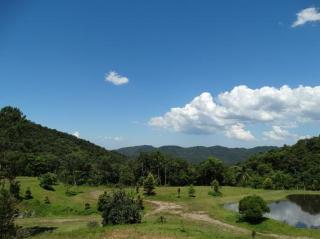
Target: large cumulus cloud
232,111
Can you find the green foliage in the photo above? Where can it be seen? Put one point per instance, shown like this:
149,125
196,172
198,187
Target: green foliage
46,200
196,155
215,188
7,215
28,194
15,189
252,208
87,206
267,183
102,201
191,191
209,170
140,202
70,193
120,208
296,166
29,149
47,181
149,185
93,224
166,170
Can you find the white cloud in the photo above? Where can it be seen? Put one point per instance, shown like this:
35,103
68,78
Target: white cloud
115,78
278,133
77,134
305,136
310,14
114,138
237,131
234,110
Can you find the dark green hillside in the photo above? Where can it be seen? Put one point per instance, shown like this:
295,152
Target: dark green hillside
30,149
199,153
290,166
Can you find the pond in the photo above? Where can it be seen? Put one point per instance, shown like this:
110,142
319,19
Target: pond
302,211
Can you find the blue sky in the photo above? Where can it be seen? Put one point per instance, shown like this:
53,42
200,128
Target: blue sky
55,57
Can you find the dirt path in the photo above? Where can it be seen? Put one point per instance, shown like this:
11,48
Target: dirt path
173,208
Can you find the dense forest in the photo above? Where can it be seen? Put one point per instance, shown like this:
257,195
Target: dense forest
29,149
296,166
198,154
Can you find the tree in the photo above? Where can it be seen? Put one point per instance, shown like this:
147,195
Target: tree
267,183
7,215
216,188
28,194
120,207
15,189
149,185
209,170
47,181
102,201
191,191
252,208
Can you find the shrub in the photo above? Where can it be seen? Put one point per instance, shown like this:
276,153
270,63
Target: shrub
215,188
7,214
102,201
87,206
140,202
15,189
191,191
92,224
149,185
28,194
47,181
70,193
47,200
120,207
267,183
252,208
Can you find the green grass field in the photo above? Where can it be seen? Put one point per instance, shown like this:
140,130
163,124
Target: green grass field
70,218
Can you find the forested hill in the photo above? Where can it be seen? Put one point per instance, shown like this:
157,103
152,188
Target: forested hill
199,153
296,166
34,149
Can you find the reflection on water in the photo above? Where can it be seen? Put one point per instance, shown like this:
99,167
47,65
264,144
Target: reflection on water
301,211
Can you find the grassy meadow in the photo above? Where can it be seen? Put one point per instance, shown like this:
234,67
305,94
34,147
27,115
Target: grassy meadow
69,218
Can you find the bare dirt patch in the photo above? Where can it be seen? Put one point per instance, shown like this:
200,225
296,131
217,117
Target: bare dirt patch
132,234
173,208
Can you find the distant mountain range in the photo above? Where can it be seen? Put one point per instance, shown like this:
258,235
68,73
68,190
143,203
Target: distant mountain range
198,153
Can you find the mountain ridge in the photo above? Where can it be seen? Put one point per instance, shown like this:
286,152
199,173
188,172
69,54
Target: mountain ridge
196,154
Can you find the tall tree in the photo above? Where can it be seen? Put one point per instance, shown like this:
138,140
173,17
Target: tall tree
7,215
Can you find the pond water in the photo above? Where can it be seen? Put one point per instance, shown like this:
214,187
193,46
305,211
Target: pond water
302,211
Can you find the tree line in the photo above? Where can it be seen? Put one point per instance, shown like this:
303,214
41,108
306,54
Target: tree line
29,149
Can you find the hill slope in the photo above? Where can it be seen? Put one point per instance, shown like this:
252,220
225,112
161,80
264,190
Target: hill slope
199,153
296,166
31,149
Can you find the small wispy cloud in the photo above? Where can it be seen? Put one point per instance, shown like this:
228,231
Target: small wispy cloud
278,133
77,134
115,78
114,138
306,15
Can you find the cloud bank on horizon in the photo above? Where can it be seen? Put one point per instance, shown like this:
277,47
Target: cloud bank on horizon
233,111
306,15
